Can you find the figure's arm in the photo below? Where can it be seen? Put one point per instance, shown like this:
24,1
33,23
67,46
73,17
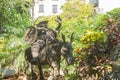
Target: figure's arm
30,35
59,20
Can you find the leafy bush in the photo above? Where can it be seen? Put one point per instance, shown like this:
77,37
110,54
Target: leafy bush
91,37
98,21
101,20
115,13
100,60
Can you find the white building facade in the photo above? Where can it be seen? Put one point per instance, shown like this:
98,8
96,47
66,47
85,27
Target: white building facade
47,7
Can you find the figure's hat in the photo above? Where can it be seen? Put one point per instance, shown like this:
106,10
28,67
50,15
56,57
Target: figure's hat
42,24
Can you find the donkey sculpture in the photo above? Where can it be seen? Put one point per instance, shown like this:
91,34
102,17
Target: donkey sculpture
51,54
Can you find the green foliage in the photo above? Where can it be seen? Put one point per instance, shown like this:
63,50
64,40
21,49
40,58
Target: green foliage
99,21
91,37
14,19
76,10
14,15
115,13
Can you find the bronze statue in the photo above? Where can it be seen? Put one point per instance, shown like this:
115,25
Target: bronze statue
38,37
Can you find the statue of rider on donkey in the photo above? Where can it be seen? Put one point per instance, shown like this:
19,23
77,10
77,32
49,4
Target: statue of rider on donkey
45,48
40,36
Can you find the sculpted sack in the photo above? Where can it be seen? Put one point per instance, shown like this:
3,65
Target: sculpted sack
31,35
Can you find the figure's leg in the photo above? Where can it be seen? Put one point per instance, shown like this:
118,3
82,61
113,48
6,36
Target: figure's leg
35,48
40,72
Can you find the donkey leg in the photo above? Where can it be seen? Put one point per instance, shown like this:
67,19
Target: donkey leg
56,68
57,72
40,72
34,76
51,74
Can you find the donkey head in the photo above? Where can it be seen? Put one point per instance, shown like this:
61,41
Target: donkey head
66,50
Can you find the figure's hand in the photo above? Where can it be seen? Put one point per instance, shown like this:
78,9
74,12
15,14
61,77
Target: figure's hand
59,20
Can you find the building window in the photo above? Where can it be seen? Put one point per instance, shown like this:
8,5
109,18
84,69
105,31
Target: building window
95,3
41,8
54,8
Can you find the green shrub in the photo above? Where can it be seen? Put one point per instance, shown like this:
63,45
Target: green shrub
100,60
114,14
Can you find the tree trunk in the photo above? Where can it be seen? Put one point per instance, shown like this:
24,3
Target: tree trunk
33,3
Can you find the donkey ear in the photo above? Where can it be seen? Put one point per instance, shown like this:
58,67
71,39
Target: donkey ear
63,37
71,40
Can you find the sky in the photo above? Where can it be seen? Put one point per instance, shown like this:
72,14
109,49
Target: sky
108,5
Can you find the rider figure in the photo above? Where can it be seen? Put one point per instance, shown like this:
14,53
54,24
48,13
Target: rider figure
40,40
45,37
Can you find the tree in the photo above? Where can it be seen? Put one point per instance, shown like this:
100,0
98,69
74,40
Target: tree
76,10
